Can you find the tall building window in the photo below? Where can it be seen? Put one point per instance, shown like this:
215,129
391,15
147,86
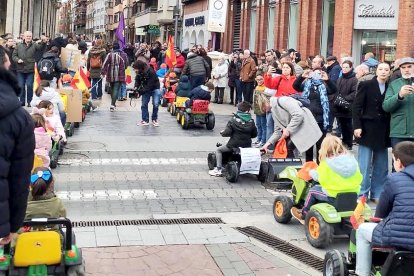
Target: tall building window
328,21
293,24
271,29
252,40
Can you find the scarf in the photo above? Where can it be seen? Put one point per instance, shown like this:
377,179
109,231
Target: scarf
319,86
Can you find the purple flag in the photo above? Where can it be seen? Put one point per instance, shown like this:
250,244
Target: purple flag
120,31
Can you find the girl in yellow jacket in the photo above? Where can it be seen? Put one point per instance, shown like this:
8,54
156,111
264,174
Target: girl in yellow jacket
338,172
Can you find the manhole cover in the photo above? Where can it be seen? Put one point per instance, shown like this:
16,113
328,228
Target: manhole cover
86,145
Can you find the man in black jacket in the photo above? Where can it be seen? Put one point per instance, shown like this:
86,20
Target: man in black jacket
16,153
148,85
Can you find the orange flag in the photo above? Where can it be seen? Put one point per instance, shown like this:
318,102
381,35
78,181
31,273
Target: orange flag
170,58
36,81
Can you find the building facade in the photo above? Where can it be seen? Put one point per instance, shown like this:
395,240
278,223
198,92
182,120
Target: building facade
37,16
326,27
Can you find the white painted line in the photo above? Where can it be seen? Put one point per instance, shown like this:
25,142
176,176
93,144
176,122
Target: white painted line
132,161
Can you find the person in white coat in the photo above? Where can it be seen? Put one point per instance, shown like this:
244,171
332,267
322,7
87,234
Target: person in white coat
219,76
46,93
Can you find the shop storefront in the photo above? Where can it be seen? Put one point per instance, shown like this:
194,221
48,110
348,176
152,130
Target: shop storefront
195,30
375,29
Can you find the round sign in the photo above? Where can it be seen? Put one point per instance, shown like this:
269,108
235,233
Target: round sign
218,5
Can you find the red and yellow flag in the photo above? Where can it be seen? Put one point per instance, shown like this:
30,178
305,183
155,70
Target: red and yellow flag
80,80
170,58
36,81
128,76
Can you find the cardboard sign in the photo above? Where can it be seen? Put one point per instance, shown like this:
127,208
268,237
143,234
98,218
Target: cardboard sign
74,105
250,160
200,107
180,101
71,59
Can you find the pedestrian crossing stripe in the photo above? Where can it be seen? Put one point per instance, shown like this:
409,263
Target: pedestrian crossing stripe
132,161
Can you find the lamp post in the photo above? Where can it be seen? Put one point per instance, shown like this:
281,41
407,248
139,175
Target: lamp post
176,16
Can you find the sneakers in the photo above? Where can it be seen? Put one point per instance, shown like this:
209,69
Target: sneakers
94,108
155,123
143,123
215,172
297,214
112,108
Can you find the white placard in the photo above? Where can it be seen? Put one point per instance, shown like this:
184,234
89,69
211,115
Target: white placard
376,14
250,160
217,14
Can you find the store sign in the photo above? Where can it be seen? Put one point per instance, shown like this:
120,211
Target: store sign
140,31
154,29
199,20
217,13
376,14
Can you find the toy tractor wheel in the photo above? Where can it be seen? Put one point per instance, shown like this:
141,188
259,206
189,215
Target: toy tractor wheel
185,120
53,164
318,232
232,172
178,117
262,176
164,102
281,209
173,110
334,264
169,107
76,270
211,121
211,160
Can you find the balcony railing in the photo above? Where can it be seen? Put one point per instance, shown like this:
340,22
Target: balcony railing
149,10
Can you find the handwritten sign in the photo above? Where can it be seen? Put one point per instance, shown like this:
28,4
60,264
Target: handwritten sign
250,160
200,107
180,101
71,59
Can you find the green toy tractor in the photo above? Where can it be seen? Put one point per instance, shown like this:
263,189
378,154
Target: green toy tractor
323,219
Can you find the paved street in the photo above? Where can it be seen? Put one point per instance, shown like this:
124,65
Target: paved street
114,170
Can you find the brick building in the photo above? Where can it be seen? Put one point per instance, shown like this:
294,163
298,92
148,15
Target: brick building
327,27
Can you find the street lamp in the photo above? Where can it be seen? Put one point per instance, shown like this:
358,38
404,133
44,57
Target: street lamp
176,17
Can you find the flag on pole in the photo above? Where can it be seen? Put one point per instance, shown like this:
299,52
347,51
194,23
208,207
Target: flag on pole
120,31
80,80
36,81
170,58
128,76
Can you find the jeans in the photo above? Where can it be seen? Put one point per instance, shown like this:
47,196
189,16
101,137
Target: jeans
270,127
377,161
25,80
197,81
232,90
347,131
248,88
315,195
395,141
115,88
364,249
239,91
122,91
261,128
156,95
219,155
309,152
218,95
96,88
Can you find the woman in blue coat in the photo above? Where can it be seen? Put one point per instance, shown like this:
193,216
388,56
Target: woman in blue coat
395,208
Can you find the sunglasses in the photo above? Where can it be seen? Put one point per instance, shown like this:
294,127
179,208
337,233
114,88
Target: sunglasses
45,175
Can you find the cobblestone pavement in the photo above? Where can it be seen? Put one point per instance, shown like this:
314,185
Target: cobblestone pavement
113,169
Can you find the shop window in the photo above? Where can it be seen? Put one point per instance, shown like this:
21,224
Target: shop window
271,29
328,21
382,43
293,24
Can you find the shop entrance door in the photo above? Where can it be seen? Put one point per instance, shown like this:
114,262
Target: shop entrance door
382,43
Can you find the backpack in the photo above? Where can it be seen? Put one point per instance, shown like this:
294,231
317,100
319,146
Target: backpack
95,61
46,69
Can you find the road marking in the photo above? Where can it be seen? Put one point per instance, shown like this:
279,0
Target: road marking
106,195
132,161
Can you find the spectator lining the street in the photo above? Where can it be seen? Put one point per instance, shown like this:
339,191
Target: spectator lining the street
219,75
260,100
247,76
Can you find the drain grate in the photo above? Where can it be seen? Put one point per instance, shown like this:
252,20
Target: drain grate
284,247
147,222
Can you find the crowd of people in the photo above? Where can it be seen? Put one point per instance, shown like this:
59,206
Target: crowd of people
298,100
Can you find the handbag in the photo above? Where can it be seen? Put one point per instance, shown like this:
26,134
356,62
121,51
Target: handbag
341,103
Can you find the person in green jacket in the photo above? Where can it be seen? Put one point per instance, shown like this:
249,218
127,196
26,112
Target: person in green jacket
338,172
43,202
399,102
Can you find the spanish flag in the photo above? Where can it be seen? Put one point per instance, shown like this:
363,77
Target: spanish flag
170,58
36,81
357,217
128,76
80,80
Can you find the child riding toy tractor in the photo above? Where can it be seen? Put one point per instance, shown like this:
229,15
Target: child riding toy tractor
198,113
323,219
